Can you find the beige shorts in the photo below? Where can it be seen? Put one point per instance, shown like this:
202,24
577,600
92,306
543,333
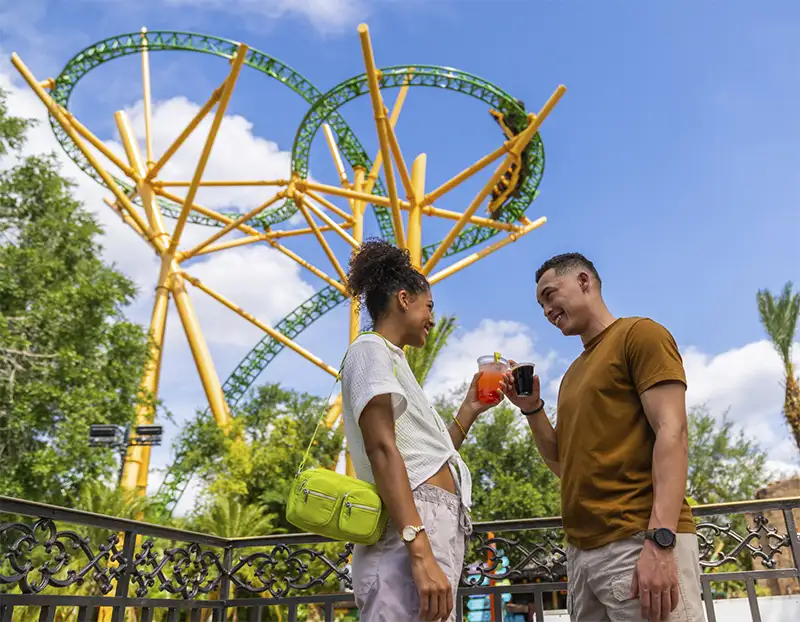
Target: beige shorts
382,584
599,581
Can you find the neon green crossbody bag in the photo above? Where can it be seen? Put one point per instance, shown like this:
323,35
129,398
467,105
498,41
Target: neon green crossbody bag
333,505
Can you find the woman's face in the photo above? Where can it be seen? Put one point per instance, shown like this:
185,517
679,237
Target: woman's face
417,317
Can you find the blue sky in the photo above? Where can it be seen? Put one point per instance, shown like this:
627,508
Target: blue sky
671,160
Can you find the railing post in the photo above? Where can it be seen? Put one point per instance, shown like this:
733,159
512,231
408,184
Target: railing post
221,613
128,548
794,538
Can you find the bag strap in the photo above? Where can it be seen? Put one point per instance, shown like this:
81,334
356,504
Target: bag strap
335,382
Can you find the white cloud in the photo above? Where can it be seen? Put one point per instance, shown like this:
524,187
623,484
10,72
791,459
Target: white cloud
324,15
747,382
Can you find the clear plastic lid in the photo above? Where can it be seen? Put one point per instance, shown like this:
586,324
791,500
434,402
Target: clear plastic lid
488,359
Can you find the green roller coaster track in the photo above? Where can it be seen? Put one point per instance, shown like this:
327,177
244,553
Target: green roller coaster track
323,109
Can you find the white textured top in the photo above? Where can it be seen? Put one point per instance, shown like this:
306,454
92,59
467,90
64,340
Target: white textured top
373,367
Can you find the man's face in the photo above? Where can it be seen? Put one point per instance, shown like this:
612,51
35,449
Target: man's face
564,299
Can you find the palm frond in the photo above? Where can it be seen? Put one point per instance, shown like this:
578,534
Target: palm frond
421,360
779,317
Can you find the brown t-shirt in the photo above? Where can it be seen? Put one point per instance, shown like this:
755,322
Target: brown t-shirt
605,442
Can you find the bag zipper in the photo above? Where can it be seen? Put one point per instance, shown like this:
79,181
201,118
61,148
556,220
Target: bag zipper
350,505
314,493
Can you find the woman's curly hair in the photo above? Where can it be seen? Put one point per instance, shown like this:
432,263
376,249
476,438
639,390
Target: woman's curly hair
377,271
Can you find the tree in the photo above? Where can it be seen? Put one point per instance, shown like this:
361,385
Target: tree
779,317
723,465
68,357
421,360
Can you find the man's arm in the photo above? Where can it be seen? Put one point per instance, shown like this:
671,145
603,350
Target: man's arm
544,435
665,407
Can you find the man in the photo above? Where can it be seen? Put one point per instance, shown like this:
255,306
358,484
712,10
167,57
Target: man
620,448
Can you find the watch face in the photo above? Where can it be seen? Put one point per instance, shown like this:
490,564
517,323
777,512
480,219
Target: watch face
664,537
408,534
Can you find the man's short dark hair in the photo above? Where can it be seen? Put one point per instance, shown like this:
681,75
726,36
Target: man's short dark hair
568,261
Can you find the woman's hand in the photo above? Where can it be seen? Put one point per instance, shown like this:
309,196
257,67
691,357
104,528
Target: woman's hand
474,405
527,403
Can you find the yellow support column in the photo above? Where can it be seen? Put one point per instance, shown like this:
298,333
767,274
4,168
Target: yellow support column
415,213
355,317
202,357
137,461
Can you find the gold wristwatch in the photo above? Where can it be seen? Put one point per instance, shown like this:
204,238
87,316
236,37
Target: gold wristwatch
409,533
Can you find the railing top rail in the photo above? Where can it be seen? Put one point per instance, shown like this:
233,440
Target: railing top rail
42,510
9,505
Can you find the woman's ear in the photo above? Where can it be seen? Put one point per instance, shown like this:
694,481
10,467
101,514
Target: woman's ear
403,300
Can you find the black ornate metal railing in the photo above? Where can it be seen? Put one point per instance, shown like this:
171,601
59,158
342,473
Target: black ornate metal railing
67,565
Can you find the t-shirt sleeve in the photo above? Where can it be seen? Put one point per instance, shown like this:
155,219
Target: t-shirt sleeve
652,356
369,371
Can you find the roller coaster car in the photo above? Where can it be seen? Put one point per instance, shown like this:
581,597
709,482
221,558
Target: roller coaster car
511,181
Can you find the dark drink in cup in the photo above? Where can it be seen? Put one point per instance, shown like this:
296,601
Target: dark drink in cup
523,378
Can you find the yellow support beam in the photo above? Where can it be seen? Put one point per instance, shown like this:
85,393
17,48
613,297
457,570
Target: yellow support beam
288,233
137,462
238,61
231,226
148,104
304,186
337,157
135,158
383,139
322,241
471,259
307,265
210,213
232,183
358,236
401,163
187,131
372,178
277,335
70,130
300,198
519,145
226,245
200,353
418,168
330,206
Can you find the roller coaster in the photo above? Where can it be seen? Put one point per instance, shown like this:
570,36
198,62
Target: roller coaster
143,200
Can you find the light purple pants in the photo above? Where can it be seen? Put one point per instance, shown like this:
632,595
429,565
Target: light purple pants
382,583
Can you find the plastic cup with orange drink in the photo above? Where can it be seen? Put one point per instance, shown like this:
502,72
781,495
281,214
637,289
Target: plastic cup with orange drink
492,369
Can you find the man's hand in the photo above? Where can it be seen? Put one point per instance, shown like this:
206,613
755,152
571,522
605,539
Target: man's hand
435,592
655,582
526,403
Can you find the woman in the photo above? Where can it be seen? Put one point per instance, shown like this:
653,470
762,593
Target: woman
398,441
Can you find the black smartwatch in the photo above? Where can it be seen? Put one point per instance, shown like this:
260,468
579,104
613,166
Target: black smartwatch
664,538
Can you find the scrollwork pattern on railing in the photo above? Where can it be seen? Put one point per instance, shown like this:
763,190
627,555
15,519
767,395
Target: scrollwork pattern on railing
540,557
186,571
43,557
285,568
38,554
761,543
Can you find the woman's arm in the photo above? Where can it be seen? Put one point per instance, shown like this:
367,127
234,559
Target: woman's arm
391,478
471,408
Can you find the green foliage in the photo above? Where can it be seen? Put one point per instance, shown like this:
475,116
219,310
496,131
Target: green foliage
257,462
68,357
421,360
779,318
723,465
